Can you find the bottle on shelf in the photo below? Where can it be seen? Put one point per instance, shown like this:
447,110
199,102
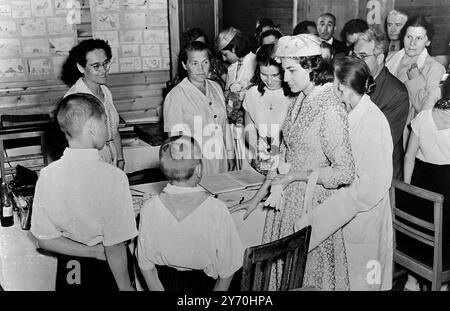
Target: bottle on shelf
6,208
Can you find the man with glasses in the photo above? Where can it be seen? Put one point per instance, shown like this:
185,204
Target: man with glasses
390,94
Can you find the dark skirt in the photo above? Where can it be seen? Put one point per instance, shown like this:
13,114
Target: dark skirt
434,178
188,281
86,274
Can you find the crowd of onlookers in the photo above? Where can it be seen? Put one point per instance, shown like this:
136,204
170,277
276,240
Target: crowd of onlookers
329,123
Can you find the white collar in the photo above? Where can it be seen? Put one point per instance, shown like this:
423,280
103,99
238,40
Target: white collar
81,154
171,189
395,60
330,41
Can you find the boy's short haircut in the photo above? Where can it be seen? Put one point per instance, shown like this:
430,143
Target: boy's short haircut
74,110
179,156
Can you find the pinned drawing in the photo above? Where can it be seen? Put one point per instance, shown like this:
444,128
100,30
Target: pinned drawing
134,20
165,50
62,6
11,68
41,8
150,50
158,5
21,9
107,21
131,36
158,18
154,36
130,50
39,67
33,27
61,46
166,63
10,47
129,64
35,47
135,4
111,36
5,10
8,28
106,5
151,63
59,26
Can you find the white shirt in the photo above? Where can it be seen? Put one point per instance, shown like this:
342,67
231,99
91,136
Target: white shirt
434,144
84,199
206,239
245,74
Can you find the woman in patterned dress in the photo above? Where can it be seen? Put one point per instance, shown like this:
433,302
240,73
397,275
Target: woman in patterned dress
316,143
93,60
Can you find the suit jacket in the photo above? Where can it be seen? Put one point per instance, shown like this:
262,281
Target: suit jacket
340,48
391,96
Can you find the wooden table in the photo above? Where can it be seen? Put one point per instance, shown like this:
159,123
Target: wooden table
24,267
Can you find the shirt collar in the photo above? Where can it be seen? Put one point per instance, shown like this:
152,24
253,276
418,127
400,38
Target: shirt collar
360,109
421,59
330,41
171,189
81,154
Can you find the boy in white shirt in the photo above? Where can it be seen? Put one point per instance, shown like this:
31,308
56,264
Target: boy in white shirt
187,239
82,207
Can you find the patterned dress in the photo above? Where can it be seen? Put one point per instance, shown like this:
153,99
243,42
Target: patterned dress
315,136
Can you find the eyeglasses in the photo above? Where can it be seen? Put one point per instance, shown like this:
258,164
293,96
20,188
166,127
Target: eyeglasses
361,56
106,65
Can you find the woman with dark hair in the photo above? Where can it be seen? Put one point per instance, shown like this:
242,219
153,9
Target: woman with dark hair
427,165
266,104
352,29
305,27
270,36
315,151
93,60
235,48
198,103
413,65
361,210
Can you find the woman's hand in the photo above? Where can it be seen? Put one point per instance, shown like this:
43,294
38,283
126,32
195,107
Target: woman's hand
413,72
249,206
283,179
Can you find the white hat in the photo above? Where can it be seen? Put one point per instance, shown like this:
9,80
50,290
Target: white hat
224,38
298,46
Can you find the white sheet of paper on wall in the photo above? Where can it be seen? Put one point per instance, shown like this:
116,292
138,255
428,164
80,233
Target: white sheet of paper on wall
59,26
33,27
58,63
5,10
39,67
106,5
158,5
107,21
111,36
158,18
150,50
166,63
129,50
151,63
35,47
8,28
62,6
154,36
10,68
41,8
131,36
135,4
165,50
60,46
130,64
21,9
134,20
9,47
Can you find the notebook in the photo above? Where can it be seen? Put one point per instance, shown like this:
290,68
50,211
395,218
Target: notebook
232,181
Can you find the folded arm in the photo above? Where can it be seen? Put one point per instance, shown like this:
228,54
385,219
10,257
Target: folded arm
69,247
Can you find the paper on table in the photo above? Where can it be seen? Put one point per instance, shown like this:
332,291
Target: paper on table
232,181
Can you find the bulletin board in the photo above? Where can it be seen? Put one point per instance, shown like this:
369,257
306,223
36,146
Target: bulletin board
37,35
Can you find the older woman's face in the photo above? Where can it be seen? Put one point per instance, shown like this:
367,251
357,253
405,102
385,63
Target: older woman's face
343,92
97,66
294,75
415,41
270,75
197,65
395,24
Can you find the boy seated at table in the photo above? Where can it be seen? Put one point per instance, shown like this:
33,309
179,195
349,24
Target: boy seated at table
187,239
82,207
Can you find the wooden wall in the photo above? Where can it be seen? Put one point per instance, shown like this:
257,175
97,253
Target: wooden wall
131,91
243,14
439,13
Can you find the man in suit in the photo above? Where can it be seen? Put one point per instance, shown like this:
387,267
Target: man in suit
390,94
326,26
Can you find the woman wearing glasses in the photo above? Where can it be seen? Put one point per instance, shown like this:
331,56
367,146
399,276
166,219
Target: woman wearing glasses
93,59
266,104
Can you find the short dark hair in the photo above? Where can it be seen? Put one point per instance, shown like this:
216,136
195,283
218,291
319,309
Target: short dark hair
74,110
264,58
240,43
191,35
330,16
321,69
179,156
354,73
264,22
302,27
354,26
419,21
271,32
190,47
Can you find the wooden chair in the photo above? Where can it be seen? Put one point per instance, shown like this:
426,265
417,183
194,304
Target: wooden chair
258,262
428,265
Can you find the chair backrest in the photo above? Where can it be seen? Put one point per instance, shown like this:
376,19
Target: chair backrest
258,260
418,228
